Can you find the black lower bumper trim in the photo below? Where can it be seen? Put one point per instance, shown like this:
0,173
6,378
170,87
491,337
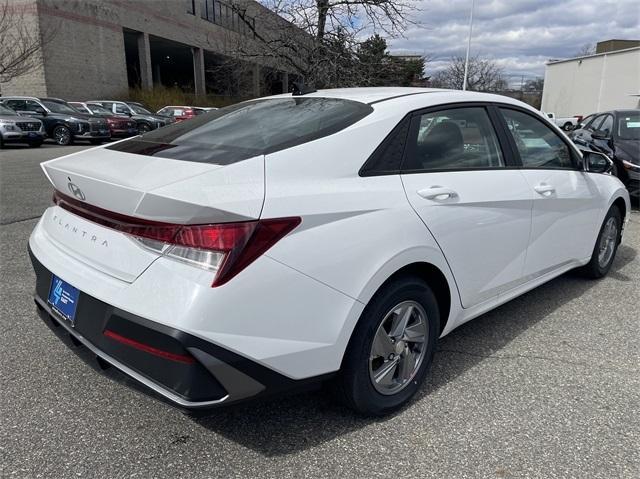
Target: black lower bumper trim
217,376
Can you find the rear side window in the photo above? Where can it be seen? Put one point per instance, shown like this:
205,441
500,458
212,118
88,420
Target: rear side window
539,146
387,158
455,139
248,129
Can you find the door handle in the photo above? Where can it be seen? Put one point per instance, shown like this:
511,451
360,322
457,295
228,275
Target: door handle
544,189
436,192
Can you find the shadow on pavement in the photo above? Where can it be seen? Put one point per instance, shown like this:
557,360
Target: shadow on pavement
287,425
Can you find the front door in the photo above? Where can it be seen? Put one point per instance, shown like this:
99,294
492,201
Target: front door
566,206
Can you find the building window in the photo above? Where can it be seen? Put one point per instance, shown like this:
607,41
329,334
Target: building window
227,16
191,7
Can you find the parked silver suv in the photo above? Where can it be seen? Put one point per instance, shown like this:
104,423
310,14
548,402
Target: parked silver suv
19,129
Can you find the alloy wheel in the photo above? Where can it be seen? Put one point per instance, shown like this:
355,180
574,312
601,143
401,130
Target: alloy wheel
398,347
62,135
608,242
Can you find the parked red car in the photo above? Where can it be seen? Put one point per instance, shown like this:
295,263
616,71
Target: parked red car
120,126
181,113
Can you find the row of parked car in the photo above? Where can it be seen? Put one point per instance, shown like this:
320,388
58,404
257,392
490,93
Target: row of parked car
30,120
615,133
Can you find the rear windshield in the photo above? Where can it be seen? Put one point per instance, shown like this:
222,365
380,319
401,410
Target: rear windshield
248,129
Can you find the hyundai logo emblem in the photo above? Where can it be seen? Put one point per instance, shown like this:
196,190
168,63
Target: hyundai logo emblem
77,192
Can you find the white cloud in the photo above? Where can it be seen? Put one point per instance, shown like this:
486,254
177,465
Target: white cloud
520,34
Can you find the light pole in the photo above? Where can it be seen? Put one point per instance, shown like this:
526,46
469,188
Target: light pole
466,61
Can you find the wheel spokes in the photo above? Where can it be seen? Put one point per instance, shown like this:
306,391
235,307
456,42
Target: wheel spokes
415,333
399,324
407,365
384,375
382,345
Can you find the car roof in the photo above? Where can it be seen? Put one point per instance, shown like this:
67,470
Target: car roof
401,95
18,97
179,106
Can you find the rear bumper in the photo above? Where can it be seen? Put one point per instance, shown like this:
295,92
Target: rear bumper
213,376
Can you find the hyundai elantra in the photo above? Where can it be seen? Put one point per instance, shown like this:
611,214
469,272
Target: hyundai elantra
328,236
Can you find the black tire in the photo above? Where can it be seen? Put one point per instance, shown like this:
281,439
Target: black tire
567,126
144,128
62,135
595,268
354,385
1,142
35,144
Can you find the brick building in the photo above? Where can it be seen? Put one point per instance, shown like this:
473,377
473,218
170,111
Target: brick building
100,48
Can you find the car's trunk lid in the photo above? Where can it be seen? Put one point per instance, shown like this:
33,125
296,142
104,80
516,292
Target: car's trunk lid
148,188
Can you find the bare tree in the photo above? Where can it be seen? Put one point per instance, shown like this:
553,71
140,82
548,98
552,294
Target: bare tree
321,40
20,41
586,50
484,75
326,17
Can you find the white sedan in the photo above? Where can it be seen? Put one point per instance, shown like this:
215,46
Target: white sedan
326,236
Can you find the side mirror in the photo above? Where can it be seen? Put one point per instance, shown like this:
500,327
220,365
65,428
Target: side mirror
600,135
595,162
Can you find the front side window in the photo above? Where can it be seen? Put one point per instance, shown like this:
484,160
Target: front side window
97,110
122,109
31,105
539,146
607,125
248,129
57,107
138,109
455,139
595,124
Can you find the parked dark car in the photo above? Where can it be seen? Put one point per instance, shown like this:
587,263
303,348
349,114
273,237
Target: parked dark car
17,129
120,126
181,113
617,134
62,123
145,120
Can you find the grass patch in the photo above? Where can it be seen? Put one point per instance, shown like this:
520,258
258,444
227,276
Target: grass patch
158,97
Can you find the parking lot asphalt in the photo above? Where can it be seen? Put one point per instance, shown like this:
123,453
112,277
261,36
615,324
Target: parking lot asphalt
545,386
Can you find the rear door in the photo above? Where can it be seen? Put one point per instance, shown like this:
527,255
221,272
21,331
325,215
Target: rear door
464,186
566,206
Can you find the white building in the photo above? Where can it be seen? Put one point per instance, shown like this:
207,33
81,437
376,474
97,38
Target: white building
604,81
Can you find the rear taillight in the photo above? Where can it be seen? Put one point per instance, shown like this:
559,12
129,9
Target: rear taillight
225,248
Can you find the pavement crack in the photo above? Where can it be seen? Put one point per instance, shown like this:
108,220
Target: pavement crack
20,221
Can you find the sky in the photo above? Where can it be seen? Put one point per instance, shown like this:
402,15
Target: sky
521,35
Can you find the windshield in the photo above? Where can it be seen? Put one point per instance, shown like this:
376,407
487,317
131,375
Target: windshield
629,126
248,129
57,107
138,109
98,110
5,110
